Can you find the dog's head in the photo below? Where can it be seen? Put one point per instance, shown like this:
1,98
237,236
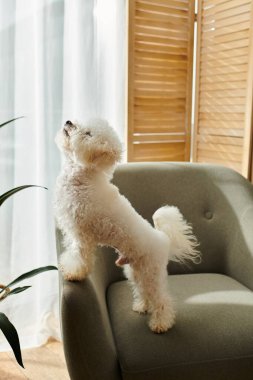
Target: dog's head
94,143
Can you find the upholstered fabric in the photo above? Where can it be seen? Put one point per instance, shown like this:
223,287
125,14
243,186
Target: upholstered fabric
214,327
213,337
217,202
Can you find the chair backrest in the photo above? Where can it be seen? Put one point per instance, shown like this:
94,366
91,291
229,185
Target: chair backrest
211,198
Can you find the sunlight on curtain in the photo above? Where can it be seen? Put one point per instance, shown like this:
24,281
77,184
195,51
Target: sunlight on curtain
94,86
58,60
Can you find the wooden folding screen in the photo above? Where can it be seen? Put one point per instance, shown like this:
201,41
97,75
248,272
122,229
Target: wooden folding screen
160,79
160,82
223,115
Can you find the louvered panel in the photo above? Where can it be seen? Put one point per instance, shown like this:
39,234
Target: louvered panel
233,77
236,36
220,109
221,132
223,86
149,64
230,164
224,54
224,83
222,150
216,6
179,35
240,68
226,94
155,138
160,127
220,124
233,21
225,62
227,13
160,79
217,47
230,141
225,101
218,117
155,151
221,31
221,6
156,47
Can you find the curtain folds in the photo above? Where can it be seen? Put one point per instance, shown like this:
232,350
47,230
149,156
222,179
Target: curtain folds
59,60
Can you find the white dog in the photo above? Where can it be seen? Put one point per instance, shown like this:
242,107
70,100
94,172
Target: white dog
90,211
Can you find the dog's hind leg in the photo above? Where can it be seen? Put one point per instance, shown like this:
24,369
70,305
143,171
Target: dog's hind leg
76,262
140,303
154,285
163,315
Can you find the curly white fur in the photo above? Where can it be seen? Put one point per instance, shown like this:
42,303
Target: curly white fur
90,211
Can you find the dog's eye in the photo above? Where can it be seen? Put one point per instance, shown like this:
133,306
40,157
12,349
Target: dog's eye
87,133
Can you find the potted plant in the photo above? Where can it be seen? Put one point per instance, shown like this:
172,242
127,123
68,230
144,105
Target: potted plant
6,326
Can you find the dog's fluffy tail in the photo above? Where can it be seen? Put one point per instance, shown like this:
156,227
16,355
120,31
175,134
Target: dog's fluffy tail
183,243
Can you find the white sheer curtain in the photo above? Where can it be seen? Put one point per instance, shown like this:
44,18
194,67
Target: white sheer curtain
58,60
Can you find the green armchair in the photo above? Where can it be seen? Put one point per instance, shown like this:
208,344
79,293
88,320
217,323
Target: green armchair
213,336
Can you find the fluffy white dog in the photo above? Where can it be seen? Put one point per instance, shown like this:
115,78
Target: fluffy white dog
90,211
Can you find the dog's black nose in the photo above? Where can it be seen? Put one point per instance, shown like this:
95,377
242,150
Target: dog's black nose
68,122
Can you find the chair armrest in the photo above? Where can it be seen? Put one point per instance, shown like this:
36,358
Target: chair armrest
87,336
239,261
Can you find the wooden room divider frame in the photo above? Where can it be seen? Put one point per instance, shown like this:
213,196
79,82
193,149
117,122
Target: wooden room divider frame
160,81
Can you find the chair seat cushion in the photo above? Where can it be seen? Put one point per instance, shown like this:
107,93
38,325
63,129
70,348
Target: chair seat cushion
212,337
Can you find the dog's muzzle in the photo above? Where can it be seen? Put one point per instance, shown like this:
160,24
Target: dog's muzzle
68,126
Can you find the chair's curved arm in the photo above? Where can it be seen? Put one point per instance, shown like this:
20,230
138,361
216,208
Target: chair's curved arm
239,258
87,336
88,342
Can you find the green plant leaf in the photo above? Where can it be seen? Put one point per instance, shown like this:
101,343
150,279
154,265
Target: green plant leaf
18,290
11,335
9,121
32,273
9,193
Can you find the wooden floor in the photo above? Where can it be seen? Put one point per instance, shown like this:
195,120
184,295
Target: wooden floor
42,363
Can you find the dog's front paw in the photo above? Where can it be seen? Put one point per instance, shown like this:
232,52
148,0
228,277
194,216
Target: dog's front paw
73,268
140,307
73,276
